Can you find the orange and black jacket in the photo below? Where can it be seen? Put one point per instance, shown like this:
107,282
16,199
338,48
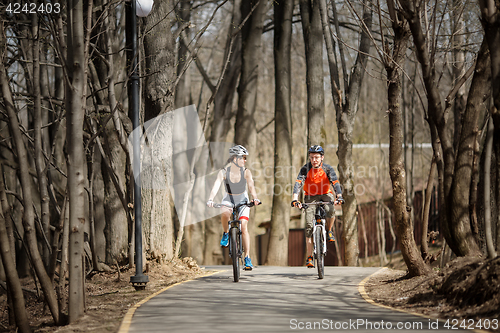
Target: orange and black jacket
317,181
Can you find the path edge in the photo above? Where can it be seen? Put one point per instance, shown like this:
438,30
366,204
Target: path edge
127,319
368,299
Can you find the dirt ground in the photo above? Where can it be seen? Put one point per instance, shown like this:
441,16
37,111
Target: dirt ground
109,297
465,289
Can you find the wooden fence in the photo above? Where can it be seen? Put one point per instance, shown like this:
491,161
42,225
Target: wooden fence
370,226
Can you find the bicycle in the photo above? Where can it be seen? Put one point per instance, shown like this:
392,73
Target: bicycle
235,242
319,233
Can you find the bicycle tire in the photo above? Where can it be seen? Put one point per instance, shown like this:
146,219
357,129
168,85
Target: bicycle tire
320,256
235,254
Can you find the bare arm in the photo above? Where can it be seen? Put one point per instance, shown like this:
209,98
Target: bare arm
215,188
251,184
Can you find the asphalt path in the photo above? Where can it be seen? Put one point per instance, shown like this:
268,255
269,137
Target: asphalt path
273,299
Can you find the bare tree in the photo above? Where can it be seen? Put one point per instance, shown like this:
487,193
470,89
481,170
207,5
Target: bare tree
38,124
453,190
424,245
159,48
183,98
251,52
277,253
75,101
313,40
25,179
458,40
490,246
346,110
223,112
7,258
490,20
413,259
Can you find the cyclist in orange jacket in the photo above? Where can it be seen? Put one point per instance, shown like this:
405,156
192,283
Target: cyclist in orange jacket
317,178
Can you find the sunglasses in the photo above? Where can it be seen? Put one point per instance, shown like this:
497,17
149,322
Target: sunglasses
243,157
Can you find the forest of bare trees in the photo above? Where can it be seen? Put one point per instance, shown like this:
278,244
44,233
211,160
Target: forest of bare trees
275,76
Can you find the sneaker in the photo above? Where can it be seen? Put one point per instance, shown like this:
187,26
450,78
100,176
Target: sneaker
248,264
330,237
224,242
309,262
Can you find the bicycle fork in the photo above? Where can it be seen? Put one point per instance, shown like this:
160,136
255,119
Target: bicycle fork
319,224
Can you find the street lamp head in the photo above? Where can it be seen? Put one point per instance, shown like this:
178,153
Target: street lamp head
143,7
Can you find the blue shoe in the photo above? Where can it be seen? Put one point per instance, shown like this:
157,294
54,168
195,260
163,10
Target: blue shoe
224,242
248,264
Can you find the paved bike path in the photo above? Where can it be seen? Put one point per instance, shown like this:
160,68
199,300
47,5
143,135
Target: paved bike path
273,299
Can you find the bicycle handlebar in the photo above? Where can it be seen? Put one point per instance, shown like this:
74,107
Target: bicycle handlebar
339,200
248,204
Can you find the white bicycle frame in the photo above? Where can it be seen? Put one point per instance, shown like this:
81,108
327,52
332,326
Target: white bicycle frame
323,231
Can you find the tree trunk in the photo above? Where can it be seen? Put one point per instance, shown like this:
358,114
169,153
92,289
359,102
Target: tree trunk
75,101
458,234
313,40
496,148
159,51
38,124
183,89
25,179
182,99
13,282
223,113
245,126
197,229
424,245
277,254
414,262
223,101
491,23
330,50
461,186
117,212
346,117
458,42
490,246
116,229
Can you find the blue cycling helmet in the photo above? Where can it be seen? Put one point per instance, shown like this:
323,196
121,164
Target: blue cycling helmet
316,149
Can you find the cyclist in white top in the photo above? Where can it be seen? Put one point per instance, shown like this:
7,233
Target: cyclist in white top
236,178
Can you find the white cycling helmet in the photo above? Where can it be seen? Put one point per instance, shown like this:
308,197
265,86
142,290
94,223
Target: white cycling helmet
238,150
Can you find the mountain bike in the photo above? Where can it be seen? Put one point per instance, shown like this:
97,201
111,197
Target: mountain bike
319,233
235,242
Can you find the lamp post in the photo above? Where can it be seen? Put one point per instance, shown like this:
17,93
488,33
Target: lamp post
136,8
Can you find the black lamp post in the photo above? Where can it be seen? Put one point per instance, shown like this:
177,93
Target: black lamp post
139,280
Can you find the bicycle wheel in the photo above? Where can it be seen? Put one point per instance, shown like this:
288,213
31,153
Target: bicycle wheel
235,257
320,256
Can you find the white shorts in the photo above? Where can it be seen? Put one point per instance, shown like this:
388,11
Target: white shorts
243,211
